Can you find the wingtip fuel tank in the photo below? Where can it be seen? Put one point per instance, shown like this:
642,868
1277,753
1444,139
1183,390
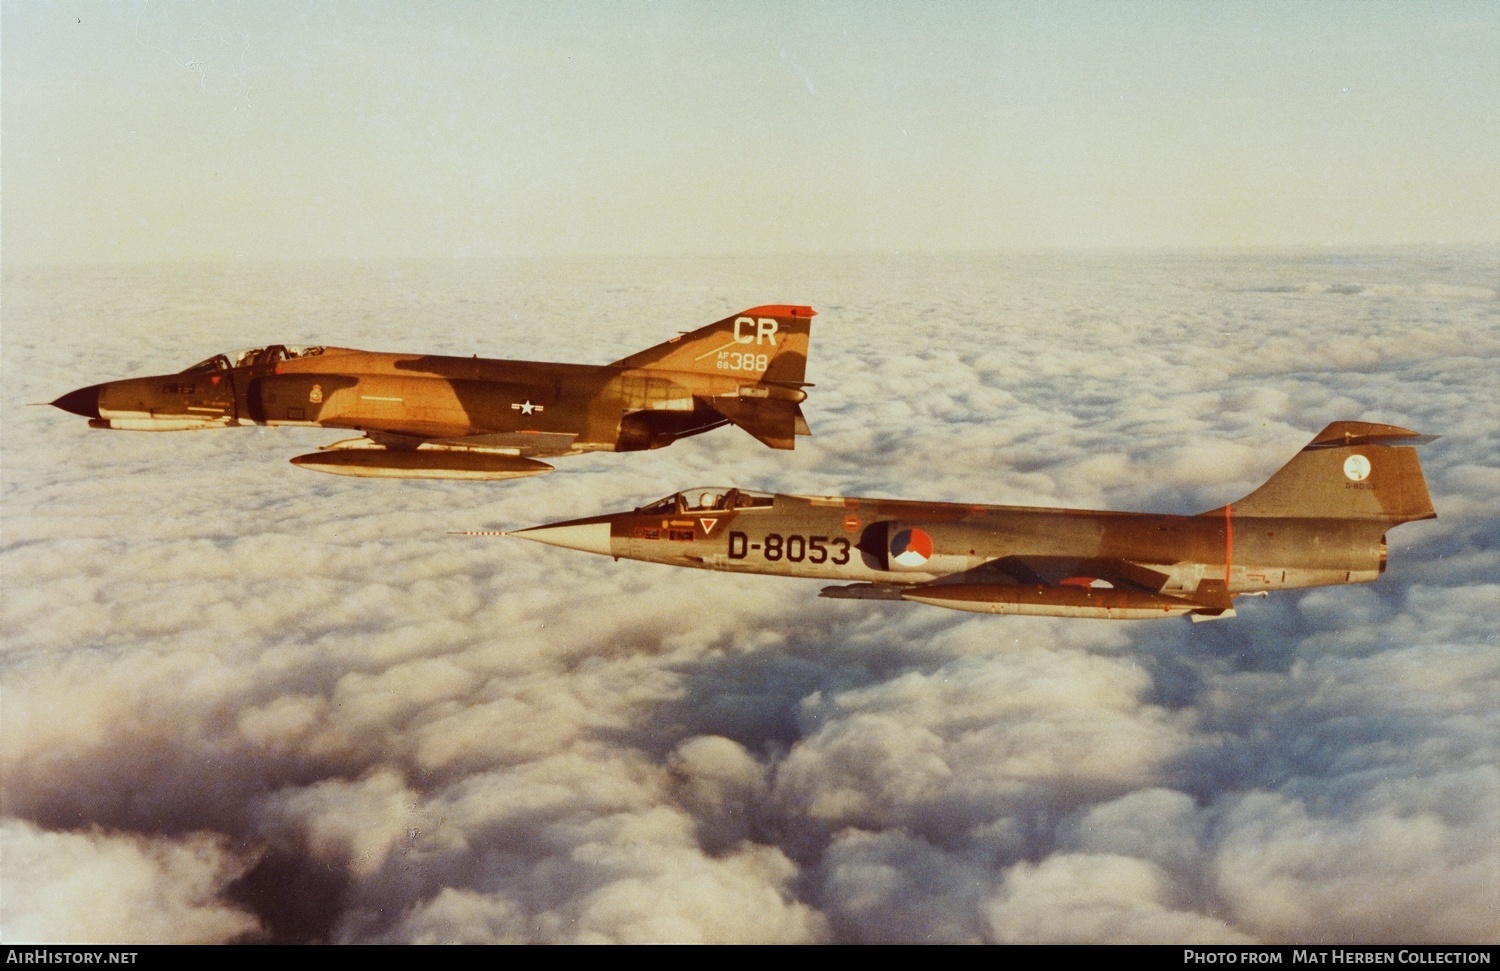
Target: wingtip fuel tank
427,416
1320,520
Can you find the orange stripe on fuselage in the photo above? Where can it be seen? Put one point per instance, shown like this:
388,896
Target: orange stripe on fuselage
1228,545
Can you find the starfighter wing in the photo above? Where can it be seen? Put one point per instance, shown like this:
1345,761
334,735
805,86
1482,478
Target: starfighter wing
1053,586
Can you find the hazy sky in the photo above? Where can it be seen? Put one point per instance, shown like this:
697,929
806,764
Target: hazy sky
201,130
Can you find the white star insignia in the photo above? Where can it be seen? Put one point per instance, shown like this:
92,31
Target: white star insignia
527,407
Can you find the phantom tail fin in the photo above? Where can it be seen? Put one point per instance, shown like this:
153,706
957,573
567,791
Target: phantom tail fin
1351,470
761,344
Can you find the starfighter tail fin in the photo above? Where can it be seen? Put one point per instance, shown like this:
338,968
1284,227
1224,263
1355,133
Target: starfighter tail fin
1351,470
760,344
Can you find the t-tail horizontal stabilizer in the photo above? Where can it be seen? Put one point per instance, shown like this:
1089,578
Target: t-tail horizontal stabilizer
1351,470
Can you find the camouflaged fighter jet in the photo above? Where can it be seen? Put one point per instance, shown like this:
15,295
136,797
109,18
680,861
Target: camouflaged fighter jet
1320,520
430,417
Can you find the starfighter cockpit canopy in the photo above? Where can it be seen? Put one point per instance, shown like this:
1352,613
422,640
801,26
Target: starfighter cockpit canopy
709,498
254,357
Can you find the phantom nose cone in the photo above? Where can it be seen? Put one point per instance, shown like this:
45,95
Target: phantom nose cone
84,401
589,537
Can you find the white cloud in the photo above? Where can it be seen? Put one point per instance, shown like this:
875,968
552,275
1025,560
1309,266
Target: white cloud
1098,899
93,886
1391,868
284,706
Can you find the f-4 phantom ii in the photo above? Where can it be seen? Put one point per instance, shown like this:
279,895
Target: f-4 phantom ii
1320,520
434,417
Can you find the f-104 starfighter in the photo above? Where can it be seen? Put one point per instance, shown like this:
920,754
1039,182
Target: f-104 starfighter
1320,520
427,416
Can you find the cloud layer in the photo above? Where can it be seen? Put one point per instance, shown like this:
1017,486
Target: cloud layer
247,702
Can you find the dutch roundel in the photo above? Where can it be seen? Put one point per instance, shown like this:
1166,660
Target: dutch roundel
911,547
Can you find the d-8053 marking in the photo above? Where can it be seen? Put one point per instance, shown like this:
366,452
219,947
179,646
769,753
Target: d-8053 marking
792,547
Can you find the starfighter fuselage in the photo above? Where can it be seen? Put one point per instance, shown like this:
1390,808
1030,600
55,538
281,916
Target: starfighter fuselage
1320,521
468,417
